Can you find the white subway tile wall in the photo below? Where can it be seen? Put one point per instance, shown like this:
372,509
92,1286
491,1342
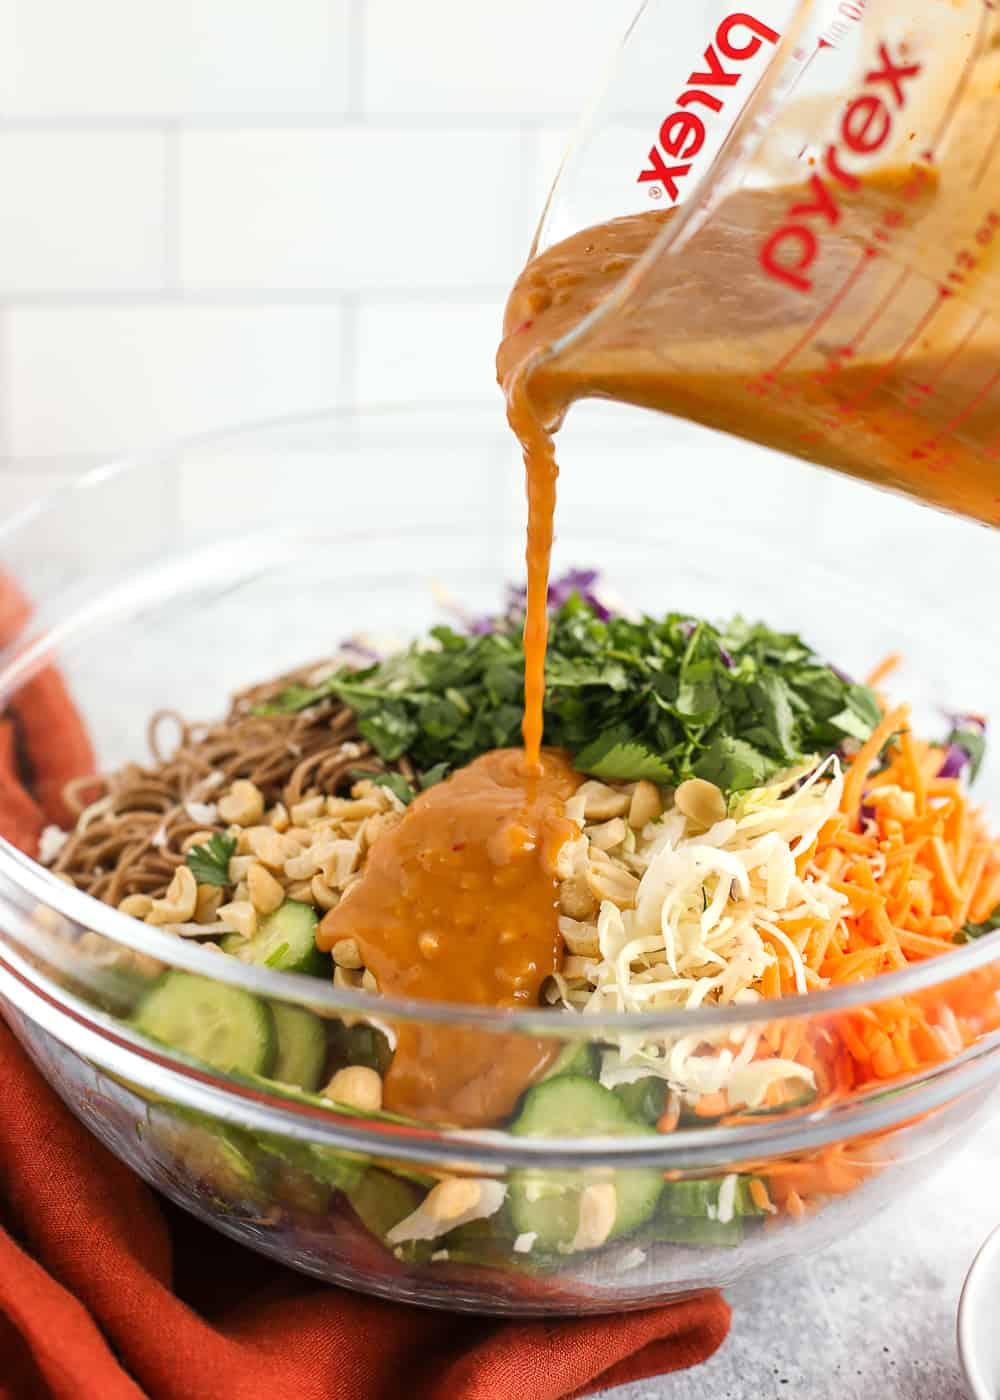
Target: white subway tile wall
215,211
220,210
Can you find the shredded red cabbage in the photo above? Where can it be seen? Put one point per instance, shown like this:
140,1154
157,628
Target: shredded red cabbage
580,581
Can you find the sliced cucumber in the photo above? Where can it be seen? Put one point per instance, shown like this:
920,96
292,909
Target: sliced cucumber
215,1157
224,1026
285,941
579,1057
381,1200
547,1203
301,1055
685,1229
698,1198
323,1164
572,1106
300,1191
645,1099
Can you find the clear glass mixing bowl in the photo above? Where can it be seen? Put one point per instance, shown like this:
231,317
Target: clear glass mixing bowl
174,580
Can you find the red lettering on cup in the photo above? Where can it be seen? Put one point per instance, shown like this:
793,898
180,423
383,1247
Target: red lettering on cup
865,127
682,135
789,253
760,31
739,38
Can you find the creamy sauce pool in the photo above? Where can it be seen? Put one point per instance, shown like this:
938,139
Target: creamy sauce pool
459,903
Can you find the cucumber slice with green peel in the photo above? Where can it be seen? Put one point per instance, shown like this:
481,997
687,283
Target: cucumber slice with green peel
224,1026
644,1099
299,1191
685,1229
323,1164
698,1199
301,1055
381,1200
284,941
578,1058
215,1157
572,1106
547,1203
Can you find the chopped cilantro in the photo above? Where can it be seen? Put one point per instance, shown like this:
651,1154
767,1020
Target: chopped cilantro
396,783
618,756
209,864
662,698
970,932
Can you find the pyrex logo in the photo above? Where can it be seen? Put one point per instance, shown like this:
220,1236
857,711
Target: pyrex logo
865,127
739,38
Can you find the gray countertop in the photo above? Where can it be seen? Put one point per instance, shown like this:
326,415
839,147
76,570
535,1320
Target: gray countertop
872,1318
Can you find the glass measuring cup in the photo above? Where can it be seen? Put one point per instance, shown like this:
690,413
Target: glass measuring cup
809,253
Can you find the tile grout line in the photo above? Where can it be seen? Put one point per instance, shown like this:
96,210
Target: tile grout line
171,207
62,464
357,56
252,297
348,384
355,116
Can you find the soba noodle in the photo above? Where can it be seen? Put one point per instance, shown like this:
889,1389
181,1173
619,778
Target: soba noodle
133,824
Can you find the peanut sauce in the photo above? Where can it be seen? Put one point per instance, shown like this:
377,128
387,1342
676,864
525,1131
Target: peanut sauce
459,903
904,393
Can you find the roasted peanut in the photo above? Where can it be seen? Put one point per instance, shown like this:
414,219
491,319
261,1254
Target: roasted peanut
700,801
243,804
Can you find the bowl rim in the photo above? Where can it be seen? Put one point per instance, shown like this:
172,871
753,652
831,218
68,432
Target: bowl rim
150,1068
34,880
973,1316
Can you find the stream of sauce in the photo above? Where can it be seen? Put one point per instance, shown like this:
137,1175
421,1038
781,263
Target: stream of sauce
459,903
905,394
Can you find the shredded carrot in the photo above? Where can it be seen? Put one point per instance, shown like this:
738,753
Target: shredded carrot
794,1205
759,1196
914,862
866,758
711,1105
884,669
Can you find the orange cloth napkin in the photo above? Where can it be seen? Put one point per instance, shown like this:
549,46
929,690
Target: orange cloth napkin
107,1292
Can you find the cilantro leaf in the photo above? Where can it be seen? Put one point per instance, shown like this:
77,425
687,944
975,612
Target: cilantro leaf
973,931
734,765
209,864
396,783
616,756
433,776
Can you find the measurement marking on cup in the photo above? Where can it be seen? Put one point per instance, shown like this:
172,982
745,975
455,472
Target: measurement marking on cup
821,44
931,445
789,253
823,317
867,326
987,159
886,370
921,392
